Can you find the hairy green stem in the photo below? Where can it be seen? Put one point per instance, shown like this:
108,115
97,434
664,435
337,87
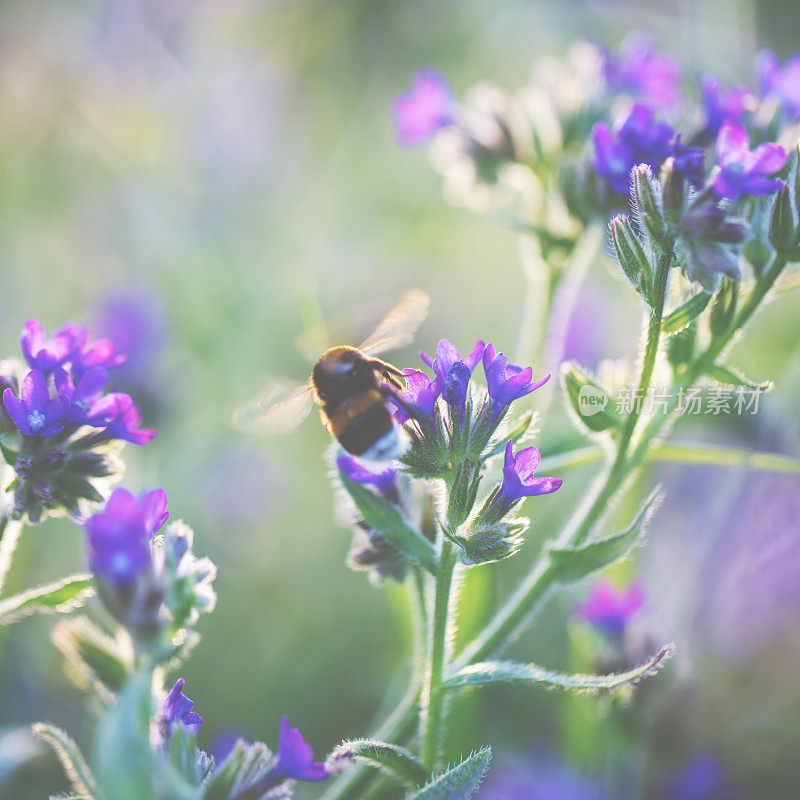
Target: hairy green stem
433,699
10,531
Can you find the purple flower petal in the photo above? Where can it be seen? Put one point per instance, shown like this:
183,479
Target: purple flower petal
296,758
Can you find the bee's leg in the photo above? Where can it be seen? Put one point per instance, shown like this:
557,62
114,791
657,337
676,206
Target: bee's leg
389,371
389,394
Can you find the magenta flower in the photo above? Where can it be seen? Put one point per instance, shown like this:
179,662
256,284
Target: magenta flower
384,480
609,609
639,69
179,709
423,110
34,412
119,535
506,382
518,476
46,354
742,171
452,371
721,102
780,82
296,758
120,417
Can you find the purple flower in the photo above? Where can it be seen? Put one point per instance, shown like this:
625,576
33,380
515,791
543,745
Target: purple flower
119,536
296,758
46,354
384,480
423,110
609,609
82,397
34,412
452,371
702,779
420,393
721,102
743,171
119,539
639,69
178,709
101,353
780,82
688,161
119,415
506,382
518,481
639,140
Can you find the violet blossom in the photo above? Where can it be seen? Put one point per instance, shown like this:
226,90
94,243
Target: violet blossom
506,382
424,109
452,371
35,412
609,609
178,709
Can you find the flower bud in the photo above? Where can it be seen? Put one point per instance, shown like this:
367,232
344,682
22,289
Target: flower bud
673,191
681,345
647,202
723,308
783,232
631,257
488,543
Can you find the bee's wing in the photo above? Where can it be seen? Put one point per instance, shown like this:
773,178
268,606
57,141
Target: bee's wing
398,327
279,409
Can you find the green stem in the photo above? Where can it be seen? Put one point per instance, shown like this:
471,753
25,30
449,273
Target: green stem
433,698
10,531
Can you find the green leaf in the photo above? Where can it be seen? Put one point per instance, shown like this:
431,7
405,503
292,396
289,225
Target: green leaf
394,759
589,400
491,672
730,377
459,783
389,522
573,563
64,595
77,770
683,315
92,657
9,455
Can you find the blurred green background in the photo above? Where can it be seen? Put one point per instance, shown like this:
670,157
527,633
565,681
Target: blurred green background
231,164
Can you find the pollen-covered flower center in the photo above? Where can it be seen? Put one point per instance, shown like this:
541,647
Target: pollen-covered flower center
36,420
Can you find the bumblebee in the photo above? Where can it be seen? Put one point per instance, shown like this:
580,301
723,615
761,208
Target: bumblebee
352,387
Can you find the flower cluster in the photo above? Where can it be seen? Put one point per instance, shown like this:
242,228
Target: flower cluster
146,573
60,424
456,428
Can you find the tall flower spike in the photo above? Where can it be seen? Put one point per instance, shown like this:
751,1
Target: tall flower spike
743,171
34,412
423,110
506,382
452,371
178,709
296,758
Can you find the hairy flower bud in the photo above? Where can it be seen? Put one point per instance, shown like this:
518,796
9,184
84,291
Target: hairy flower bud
783,231
647,202
588,399
631,256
